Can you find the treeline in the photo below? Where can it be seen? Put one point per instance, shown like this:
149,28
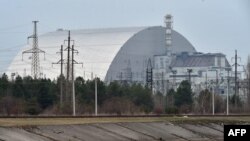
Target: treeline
27,96
113,98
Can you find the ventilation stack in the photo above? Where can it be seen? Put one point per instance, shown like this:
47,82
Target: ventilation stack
169,27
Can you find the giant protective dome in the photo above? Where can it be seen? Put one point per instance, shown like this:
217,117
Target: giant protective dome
106,53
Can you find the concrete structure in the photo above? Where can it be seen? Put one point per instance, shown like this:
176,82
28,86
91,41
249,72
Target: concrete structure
122,54
202,70
153,131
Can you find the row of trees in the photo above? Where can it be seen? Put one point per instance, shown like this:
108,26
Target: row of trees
113,98
183,100
42,96
26,95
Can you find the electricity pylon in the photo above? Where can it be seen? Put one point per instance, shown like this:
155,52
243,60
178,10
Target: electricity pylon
35,64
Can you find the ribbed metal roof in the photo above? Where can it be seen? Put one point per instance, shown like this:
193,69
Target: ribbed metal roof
197,60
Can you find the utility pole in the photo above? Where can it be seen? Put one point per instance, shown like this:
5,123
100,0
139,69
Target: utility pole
73,84
35,64
213,100
61,61
235,76
189,75
69,73
162,83
73,80
68,49
217,82
96,113
68,57
206,81
215,88
61,82
228,91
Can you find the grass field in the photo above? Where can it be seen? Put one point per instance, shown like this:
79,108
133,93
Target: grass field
12,122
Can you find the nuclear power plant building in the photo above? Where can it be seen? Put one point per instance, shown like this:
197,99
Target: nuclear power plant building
157,56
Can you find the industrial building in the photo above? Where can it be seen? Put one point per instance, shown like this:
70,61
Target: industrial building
158,55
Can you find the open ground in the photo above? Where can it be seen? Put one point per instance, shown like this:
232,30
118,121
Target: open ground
179,128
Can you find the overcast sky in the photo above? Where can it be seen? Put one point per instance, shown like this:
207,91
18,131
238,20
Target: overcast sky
210,25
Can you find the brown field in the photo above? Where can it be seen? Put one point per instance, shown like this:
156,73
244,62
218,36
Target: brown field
10,122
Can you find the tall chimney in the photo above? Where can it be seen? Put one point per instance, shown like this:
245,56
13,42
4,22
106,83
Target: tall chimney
169,27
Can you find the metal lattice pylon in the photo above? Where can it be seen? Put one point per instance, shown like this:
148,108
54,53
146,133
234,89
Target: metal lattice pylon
35,64
149,75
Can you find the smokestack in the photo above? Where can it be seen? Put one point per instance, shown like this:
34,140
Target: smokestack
169,27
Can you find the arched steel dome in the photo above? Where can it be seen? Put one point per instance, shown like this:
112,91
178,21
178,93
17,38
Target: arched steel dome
104,52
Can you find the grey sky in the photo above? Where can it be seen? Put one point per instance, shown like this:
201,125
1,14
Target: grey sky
210,25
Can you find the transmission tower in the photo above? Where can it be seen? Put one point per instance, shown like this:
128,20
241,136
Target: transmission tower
68,49
35,64
61,61
149,75
235,76
73,80
70,61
